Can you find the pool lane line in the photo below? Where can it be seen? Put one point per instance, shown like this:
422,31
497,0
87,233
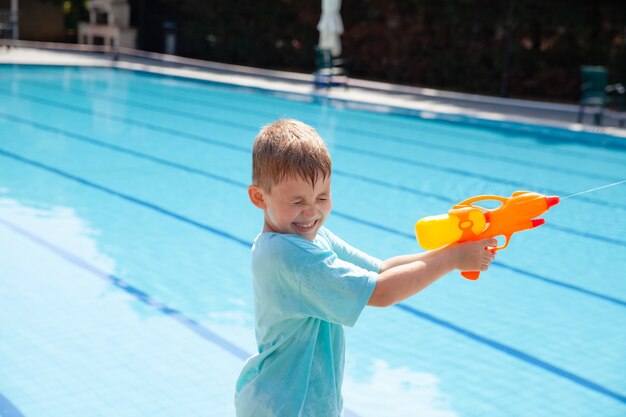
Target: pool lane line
127,197
121,149
551,225
365,133
353,131
240,353
8,409
522,272
187,168
335,213
562,284
410,162
540,132
463,173
527,274
168,131
362,110
516,353
138,294
193,325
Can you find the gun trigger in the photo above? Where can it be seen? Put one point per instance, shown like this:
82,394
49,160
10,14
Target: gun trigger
506,243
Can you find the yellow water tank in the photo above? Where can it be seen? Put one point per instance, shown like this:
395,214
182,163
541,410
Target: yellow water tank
436,231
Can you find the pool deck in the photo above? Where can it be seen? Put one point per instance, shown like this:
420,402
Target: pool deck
424,102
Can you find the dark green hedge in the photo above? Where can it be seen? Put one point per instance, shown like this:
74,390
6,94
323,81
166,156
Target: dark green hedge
448,44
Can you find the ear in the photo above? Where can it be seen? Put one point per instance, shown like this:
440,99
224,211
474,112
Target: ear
256,196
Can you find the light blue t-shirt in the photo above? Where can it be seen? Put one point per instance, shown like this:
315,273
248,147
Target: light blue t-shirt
304,292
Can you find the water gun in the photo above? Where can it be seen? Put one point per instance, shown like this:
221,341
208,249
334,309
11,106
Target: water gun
469,222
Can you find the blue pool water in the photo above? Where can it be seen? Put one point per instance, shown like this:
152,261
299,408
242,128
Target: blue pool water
125,233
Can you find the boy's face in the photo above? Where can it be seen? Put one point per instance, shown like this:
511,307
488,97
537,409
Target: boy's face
294,206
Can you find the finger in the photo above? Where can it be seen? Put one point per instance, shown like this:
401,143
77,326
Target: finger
491,242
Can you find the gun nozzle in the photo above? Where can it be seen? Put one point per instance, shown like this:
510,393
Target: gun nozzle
538,222
552,201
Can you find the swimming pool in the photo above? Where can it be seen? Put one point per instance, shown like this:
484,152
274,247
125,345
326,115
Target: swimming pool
125,231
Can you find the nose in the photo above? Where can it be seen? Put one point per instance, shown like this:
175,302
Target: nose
309,210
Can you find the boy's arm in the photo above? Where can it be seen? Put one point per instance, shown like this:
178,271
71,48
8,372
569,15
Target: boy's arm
406,259
403,276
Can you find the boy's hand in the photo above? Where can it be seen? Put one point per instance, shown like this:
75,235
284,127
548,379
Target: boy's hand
474,256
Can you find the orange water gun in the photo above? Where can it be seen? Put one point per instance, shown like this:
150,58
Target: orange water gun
469,222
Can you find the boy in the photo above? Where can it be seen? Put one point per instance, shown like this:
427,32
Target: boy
308,283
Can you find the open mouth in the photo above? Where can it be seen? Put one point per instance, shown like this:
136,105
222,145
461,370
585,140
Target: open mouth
305,227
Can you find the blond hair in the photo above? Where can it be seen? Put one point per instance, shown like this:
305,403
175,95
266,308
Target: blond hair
288,148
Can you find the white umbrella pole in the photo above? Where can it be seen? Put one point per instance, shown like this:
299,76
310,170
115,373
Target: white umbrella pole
15,18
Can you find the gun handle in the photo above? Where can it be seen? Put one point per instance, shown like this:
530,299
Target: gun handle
473,275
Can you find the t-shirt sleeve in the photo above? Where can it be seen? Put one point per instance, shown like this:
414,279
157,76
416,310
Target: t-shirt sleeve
333,289
351,254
